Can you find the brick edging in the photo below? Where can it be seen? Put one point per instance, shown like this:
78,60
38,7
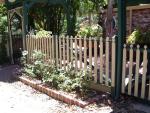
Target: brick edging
54,94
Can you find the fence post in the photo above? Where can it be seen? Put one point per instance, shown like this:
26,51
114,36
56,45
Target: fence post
119,46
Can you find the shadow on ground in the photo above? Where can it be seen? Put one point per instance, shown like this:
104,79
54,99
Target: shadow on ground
8,73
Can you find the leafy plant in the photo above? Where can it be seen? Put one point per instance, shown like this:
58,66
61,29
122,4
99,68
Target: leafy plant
43,34
138,37
67,80
37,68
90,31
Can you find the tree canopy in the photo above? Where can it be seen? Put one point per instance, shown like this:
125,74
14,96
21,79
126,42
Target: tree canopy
3,18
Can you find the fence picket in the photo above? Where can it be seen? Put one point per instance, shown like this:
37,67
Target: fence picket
56,51
107,62
137,71
43,47
113,62
95,60
144,72
90,55
85,53
47,48
68,52
50,48
53,49
71,44
80,52
31,47
64,57
76,54
130,70
60,53
124,69
101,60
27,47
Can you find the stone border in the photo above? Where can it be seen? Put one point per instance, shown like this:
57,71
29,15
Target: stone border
56,94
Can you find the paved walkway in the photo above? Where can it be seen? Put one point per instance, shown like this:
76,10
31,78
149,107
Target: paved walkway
16,97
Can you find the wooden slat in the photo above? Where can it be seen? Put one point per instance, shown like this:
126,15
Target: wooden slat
57,62
101,60
71,44
27,47
29,50
40,41
76,54
80,52
34,43
85,53
64,57
31,47
90,55
53,50
43,47
95,60
124,69
68,52
144,72
47,49
113,62
137,71
60,52
130,70
107,62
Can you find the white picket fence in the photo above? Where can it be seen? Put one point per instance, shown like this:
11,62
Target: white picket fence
135,80
83,53
98,56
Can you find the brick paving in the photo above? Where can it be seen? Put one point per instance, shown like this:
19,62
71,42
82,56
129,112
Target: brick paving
15,97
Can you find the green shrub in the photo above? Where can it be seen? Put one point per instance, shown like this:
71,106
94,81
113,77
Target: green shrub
90,31
43,34
69,80
138,37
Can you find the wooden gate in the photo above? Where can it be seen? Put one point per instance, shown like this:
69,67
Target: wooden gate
136,72
17,44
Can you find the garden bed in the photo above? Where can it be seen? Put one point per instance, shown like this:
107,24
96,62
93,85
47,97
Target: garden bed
68,98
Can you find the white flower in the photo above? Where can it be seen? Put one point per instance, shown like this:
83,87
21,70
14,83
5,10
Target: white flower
24,53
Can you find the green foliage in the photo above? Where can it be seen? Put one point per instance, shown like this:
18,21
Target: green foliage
3,18
85,6
90,31
37,68
69,80
43,33
138,37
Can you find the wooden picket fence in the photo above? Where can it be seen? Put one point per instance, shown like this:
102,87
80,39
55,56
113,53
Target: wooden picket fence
96,55
135,78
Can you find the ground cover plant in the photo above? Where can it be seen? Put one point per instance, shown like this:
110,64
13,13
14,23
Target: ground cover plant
67,80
